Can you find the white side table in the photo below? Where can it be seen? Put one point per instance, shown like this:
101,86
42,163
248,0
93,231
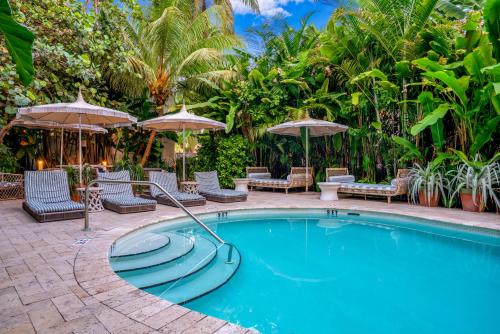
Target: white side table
95,203
329,191
190,187
241,185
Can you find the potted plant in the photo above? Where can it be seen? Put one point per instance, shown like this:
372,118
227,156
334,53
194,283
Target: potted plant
476,181
73,182
427,184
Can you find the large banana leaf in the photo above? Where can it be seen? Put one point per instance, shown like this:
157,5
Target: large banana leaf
492,23
430,119
19,41
458,86
485,135
426,100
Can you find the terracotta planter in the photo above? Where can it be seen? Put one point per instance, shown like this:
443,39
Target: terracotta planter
468,203
430,202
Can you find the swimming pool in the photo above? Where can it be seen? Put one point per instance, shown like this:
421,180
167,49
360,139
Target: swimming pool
311,271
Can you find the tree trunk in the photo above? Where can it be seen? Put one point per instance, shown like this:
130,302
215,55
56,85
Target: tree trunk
5,130
147,151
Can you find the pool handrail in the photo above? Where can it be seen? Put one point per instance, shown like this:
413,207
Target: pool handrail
175,201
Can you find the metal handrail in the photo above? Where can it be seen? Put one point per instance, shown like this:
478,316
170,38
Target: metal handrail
176,202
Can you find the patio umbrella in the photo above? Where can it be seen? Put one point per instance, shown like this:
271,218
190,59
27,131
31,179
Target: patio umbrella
182,121
46,125
78,112
313,128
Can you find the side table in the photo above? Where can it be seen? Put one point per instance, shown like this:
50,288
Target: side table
241,184
95,203
190,187
329,191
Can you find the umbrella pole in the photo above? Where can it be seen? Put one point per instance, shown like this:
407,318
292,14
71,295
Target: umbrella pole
307,159
62,148
80,145
183,152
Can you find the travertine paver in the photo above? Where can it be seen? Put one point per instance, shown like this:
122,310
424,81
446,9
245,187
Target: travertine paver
50,284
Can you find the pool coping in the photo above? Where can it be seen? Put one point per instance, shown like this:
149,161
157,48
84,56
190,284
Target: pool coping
107,287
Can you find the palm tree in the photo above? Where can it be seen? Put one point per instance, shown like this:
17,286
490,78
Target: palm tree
173,53
227,9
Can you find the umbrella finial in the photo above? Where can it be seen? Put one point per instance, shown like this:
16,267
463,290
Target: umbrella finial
80,96
184,109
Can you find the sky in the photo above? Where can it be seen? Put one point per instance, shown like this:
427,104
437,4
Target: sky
290,10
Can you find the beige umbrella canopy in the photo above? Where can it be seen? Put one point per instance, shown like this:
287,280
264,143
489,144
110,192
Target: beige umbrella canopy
78,112
313,128
182,121
45,125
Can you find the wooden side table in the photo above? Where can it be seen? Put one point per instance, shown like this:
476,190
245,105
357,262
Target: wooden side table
241,185
95,203
190,187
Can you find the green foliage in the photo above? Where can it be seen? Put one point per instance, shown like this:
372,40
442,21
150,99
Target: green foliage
73,178
8,162
232,159
19,41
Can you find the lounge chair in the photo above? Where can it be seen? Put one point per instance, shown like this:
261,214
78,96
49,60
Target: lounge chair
208,186
120,197
47,197
398,186
169,182
261,178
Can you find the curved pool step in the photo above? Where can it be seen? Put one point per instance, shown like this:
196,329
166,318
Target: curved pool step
211,277
141,244
203,252
179,246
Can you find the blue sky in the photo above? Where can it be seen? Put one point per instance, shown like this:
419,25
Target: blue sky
290,10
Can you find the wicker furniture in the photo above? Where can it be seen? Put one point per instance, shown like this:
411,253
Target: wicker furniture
169,182
11,186
329,191
338,175
398,186
261,178
120,197
208,186
48,198
95,202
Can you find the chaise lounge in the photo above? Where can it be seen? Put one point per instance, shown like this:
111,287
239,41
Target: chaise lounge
169,182
47,197
208,186
261,178
398,186
120,197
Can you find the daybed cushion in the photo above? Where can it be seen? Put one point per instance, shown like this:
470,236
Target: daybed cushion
226,193
48,191
180,196
38,207
164,179
128,200
259,176
272,181
342,178
368,186
115,190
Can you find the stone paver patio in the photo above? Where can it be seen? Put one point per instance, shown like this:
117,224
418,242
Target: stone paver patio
49,283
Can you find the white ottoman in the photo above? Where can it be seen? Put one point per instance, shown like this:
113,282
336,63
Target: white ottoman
329,191
241,185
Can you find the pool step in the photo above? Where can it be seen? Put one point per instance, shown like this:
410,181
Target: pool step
211,277
178,246
145,243
202,254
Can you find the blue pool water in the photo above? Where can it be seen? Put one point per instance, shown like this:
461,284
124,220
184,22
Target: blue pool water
307,272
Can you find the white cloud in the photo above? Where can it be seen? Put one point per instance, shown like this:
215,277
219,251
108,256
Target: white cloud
267,8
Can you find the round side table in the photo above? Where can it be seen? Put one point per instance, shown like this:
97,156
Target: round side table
95,203
241,184
329,191
190,187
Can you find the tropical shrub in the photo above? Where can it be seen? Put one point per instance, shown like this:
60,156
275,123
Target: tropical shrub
8,162
233,156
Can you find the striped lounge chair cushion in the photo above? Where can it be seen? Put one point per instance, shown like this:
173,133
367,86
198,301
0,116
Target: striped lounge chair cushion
367,186
259,176
164,179
342,178
180,196
128,200
270,182
207,181
48,191
115,190
226,193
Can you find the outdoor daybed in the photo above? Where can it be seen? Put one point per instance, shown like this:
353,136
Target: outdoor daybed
120,197
47,196
398,186
11,186
208,186
169,182
260,177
